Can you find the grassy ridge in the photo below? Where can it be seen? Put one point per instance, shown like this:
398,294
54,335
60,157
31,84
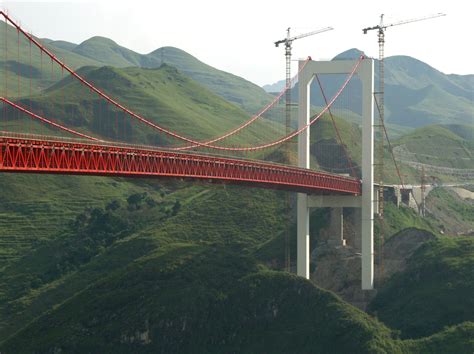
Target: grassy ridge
212,305
209,290
400,218
435,291
455,339
33,283
233,88
418,94
453,214
448,146
152,294
20,74
18,68
162,95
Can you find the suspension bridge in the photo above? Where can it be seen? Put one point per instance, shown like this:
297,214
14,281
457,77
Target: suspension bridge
32,141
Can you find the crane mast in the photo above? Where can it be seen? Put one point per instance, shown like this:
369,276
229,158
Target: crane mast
381,27
288,41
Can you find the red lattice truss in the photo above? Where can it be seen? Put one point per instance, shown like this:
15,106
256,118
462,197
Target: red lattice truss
49,156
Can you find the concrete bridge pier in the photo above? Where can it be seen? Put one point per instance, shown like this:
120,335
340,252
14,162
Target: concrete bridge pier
336,227
366,202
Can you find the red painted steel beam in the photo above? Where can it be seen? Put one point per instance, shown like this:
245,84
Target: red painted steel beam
63,157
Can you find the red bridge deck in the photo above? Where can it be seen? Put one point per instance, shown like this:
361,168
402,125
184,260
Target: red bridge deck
65,157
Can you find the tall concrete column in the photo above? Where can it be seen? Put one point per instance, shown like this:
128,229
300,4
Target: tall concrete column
302,241
336,227
357,220
366,74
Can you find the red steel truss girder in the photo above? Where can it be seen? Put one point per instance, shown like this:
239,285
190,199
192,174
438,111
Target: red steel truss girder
47,156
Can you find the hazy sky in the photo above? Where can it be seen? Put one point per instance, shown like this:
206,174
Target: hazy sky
237,36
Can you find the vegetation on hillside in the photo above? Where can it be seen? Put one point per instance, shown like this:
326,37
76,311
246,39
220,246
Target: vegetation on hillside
416,94
455,339
100,51
193,298
403,217
22,76
91,264
446,146
452,214
161,95
435,291
131,273
36,209
91,244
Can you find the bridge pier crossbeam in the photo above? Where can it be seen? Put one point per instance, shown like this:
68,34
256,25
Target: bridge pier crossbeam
366,202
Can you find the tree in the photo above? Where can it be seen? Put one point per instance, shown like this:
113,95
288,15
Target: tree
176,207
135,200
113,205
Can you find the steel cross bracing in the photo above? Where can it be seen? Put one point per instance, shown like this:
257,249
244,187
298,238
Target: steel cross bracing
49,156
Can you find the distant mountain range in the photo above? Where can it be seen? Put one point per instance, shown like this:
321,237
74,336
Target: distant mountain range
100,51
415,93
105,51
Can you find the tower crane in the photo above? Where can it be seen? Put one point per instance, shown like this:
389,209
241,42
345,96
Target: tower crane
288,41
381,28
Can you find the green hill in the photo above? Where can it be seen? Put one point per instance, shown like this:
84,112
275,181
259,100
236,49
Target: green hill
233,88
142,276
411,72
36,74
186,298
245,94
107,51
162,95
62,44
446,146
455,339
100,51
416,94
453,215
89,239
435,291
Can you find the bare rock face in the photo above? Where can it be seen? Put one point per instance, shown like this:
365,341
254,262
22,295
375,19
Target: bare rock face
400,247
339,268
